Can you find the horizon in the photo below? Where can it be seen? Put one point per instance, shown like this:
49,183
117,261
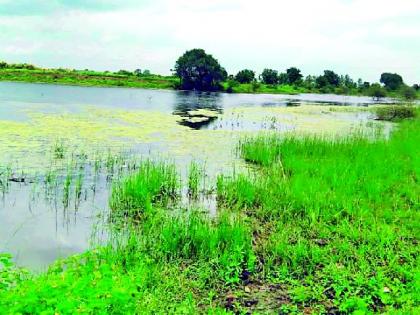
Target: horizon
340,35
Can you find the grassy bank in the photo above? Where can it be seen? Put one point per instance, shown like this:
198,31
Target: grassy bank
88,78
319,225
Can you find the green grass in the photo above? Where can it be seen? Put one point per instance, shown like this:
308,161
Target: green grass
318,225
195,179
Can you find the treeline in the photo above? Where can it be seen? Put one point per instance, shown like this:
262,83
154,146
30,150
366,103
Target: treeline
26,66
328,82
200,71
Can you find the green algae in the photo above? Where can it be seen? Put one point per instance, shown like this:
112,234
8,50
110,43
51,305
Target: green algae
95,129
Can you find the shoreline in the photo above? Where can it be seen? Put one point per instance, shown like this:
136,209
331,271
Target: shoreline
149,83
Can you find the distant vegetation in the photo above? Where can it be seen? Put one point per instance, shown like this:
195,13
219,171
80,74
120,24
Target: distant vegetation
197,70
122,78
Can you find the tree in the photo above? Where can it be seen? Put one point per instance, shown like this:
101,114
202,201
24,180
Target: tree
245,76
416,86
321,81
199,71
293,75
391,81
376,91
347,81
269,76
332,78
3,65
282,78
137,72
310,81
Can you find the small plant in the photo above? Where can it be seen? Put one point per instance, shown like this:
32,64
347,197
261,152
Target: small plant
66,188
78,186
10,276
59,151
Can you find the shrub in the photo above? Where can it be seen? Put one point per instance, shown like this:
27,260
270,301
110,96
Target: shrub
395,112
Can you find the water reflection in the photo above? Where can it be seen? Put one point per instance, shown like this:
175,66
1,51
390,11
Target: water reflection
197,109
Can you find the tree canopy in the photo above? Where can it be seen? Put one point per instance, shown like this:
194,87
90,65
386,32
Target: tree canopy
199,71
391,81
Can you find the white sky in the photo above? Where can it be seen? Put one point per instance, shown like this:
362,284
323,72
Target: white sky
360,37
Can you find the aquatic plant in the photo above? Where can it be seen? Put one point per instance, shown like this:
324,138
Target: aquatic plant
152,183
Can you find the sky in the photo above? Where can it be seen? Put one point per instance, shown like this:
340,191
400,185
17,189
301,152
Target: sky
362,38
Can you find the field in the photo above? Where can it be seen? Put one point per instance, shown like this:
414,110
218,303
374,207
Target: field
316,225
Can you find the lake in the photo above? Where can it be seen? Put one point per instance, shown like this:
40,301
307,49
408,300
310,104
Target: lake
63,147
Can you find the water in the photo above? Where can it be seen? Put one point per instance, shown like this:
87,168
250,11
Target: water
37,227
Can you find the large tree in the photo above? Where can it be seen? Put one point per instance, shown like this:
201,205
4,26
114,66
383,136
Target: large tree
245,76
391,81
293,75
199,71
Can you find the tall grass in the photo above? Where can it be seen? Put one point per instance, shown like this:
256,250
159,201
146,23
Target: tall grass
342,225
153,183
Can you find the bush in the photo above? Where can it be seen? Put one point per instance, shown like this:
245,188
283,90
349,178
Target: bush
395,112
